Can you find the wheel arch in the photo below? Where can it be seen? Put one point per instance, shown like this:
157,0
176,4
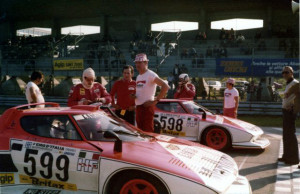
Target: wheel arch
124,171
214,126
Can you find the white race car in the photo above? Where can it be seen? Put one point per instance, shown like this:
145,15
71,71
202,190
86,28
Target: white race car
189,120
85,150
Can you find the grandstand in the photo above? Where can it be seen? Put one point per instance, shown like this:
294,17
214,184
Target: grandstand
126,30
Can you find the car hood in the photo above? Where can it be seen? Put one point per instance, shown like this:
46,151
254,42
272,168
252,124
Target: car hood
178,157
231,122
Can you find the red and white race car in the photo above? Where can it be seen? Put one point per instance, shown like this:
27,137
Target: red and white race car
191,121
84,149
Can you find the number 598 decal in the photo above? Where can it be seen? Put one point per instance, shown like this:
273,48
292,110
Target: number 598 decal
46,161
171,123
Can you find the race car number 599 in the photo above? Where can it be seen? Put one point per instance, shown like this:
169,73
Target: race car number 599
46,161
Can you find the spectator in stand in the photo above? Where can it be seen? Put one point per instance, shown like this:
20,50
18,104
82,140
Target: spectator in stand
88,91
170,80
185,89
32,91
125,90
184,69
261,45
184,53
176,73
149,36
240,39
145,101
223,52
231,99
257,36
200,60
216,51
192,53
209,52
222,34
231,35
198,36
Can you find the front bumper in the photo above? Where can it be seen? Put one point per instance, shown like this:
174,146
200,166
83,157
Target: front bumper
240,185
255,143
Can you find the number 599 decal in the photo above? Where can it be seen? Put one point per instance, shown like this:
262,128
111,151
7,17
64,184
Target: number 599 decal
46,161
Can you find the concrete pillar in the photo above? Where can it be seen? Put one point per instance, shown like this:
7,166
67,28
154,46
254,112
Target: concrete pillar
202,21
268,22
56,29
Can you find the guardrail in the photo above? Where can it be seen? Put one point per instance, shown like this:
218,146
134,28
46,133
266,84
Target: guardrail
245,108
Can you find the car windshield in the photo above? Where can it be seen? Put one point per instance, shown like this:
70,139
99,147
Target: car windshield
194,108
212,83
95,125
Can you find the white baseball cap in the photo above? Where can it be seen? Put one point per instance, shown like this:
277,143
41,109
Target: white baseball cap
141,57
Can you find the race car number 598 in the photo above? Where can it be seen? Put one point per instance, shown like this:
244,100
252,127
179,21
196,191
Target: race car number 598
171,123
46,162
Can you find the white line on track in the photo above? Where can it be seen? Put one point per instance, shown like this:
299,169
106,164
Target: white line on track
243,162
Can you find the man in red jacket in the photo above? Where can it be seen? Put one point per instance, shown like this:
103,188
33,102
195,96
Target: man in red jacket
185,89
88,91
125,90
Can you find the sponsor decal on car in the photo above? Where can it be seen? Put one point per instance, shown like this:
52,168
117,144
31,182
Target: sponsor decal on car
7,178
164,137
219,119
46,147
41,191
87,161
47,183
169,132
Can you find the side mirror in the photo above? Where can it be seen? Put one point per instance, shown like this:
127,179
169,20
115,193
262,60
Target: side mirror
118,142
204,113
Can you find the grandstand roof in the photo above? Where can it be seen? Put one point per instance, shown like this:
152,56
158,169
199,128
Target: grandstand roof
42,9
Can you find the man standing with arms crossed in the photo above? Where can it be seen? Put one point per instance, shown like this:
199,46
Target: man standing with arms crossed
231,99
125,90
145,101
290,146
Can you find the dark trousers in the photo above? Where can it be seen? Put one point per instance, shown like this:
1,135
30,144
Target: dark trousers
290,144
128,116
145,117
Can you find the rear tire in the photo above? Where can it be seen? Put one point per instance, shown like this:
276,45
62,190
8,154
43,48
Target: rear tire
217,138
134,182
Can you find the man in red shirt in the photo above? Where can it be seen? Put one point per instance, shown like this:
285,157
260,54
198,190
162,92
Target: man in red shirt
185,89
88,91
125,90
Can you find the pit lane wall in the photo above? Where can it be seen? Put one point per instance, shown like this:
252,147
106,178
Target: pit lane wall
245,108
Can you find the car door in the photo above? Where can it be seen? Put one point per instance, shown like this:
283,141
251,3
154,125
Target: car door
175,121
54,155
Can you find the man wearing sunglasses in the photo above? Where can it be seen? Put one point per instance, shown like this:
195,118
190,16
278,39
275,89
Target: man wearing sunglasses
290,145
88,91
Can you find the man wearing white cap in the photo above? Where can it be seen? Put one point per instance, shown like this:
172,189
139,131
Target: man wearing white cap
145,101
231,99
88,91
185,89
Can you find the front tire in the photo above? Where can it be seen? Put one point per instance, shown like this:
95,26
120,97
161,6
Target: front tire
217,138
135,182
